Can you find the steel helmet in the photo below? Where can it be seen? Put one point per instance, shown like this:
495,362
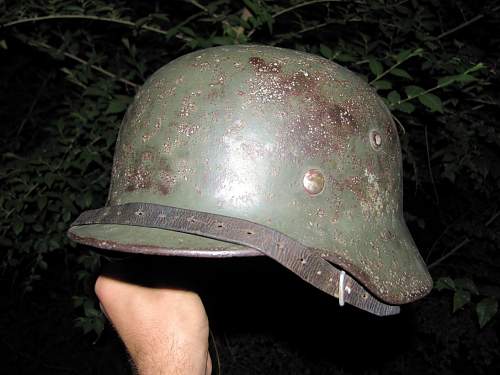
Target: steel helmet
252,150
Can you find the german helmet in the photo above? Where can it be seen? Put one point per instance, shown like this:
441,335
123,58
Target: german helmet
249,150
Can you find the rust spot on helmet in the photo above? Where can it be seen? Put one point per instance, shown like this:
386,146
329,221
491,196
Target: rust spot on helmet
260,65
138,178
147,156
166,181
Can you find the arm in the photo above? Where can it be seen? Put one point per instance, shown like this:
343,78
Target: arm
165,330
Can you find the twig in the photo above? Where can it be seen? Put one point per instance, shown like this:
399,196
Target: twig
81,61
282,37
289,9
83,17
383,74
429,165
492,218
198,5
286,10
438,238
464,242
465,24
33,105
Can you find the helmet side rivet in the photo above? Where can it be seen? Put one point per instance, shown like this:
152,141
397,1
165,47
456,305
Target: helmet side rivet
375,139
314,181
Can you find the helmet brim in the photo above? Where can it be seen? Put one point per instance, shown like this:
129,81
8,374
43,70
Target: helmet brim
397,277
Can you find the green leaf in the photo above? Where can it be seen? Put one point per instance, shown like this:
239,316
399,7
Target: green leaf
465,78
413,90
41,202
466,284
38,227
382,85
431,101
3,44
407,53
43,265
475,68
66,216
486,310
344,57
376,67
405,107
394,97
460,299
49,179
401,73
445,283
118,104
98,325
87,199
18,227
326,51
403,55
446,80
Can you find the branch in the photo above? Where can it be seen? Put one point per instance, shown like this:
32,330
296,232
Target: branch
33,104
436,195
286,10
83,17
464,242
417,52
465,24
81,61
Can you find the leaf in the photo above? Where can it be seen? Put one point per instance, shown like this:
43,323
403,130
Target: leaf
406,107
344,57
38,227
466,284
382,85
446,80
66,216
98,325
465,78
376,67
401,73
460,299
41,202
403,55
394,97
18,227
475,68
3,44
431,101
43,265
413,91
326,51
406,54
486,310
49,179
87,199
126,42
445,283
118,104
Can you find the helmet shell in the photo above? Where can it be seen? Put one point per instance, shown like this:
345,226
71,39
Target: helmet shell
279,137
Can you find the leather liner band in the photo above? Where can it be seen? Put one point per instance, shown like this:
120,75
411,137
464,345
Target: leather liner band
303,261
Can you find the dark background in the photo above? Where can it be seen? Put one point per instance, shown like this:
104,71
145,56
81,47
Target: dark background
68,70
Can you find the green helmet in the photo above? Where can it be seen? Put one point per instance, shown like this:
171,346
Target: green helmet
254,150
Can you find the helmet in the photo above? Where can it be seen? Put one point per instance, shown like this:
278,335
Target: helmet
251,150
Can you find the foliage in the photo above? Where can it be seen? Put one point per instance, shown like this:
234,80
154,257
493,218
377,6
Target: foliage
72,66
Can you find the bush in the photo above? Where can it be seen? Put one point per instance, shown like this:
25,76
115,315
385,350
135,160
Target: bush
70,69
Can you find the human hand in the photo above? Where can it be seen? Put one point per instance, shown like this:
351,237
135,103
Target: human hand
165,329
